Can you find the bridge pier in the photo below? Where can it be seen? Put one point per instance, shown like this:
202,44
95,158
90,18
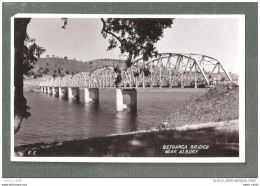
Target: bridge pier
48,90
53,91
120,106
60,92
84,96
70,95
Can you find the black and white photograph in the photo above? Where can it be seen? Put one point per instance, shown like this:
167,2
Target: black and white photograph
128,88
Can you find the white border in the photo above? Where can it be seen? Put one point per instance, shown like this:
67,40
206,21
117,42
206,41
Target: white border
240,159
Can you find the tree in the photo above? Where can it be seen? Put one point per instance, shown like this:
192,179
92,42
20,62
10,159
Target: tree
26,53
40,70
59,70
67,72
31,54
37,75
134,37
45,71
31,73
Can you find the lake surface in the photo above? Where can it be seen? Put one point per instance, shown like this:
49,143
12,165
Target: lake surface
59,119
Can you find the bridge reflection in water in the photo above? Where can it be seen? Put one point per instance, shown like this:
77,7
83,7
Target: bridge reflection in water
166,70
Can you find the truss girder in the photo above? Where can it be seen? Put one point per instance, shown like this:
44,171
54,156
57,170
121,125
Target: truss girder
166,70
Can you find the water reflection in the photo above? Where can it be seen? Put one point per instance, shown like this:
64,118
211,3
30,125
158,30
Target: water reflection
126,121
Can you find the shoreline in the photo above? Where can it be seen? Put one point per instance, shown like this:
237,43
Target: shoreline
121,145
186,127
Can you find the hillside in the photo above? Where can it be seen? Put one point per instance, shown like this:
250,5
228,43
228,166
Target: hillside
218,104
69,66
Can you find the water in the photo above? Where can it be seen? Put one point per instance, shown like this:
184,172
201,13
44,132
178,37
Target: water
56,119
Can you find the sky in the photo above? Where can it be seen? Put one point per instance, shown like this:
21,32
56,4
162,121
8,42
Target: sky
82,39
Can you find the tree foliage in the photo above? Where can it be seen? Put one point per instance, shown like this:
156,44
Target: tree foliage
135,37
31,53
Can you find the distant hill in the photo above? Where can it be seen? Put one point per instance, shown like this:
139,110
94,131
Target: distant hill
52,65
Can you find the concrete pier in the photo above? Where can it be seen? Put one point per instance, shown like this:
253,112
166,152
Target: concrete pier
120,106
60,92
53,91
70,95
84,95
48,90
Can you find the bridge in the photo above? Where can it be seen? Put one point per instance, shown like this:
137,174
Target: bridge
166,70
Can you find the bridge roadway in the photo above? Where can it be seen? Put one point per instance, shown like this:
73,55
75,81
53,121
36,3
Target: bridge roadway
165,70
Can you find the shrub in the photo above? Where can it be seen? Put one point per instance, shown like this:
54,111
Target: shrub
31,73
45,71
37,75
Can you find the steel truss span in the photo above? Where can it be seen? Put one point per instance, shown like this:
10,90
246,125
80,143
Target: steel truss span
164,70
